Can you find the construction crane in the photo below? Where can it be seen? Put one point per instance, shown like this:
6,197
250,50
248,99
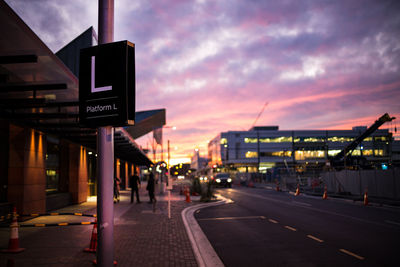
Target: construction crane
347,150
259,115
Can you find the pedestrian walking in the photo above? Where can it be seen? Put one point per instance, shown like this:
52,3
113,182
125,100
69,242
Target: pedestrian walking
117,187
135,184
150,188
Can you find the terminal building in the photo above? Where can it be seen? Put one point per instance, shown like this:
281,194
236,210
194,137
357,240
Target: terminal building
47,158
268,147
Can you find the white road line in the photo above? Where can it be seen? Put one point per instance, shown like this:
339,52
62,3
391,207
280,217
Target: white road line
231,218
351,254
314,209
291,228
273,221
315,238
301,203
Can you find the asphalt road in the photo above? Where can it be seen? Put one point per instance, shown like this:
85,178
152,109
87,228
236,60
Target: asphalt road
267,228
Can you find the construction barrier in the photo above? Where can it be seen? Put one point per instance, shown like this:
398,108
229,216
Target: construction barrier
93,240
297,190
277,186
13,244
325,195
366,197
187,194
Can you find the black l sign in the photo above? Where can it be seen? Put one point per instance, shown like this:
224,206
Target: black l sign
107,85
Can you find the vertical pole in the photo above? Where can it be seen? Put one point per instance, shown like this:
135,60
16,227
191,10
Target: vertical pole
258,153
169,186
105,139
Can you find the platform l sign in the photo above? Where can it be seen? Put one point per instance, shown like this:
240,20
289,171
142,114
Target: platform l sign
107,85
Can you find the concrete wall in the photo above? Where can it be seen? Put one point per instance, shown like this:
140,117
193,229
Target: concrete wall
78,173
378,182
26,170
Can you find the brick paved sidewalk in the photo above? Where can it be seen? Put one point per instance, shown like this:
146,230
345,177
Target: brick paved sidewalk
142,237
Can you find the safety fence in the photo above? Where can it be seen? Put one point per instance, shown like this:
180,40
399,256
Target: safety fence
380,183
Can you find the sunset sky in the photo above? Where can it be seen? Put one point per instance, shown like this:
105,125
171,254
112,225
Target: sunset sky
213,64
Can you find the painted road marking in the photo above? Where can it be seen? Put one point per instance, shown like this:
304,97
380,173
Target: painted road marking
315,238
231,218
301,203
392,222
314,209
351,254
291,228
273,221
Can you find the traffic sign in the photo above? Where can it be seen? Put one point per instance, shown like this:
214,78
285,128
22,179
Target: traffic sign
107,85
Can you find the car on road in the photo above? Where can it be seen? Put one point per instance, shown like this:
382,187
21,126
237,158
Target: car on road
223,179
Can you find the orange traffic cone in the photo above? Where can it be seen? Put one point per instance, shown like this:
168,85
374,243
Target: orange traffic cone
187,193
366,197
297,190
93,241
251,184
13,244
325,195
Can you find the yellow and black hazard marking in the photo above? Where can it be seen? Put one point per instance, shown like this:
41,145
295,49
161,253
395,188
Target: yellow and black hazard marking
59,213
55,224
5,217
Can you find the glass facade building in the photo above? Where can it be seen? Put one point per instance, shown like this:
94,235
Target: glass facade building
268,147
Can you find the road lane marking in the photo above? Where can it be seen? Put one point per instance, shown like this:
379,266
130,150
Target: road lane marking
273,221
301,203
316,209
231,218
351,254
315,238
291,228
392,222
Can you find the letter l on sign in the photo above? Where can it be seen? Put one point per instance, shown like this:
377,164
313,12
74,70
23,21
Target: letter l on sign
92,72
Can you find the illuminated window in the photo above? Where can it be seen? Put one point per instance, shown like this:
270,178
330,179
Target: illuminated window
381,138
52,165
379,152
333,152
251,154
368,152
314,139
309,154
368,139
276,154
281,139
340,139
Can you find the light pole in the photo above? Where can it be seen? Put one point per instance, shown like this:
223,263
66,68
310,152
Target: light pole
105,138
162,186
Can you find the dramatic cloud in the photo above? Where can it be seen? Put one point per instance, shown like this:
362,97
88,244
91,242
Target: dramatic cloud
213,64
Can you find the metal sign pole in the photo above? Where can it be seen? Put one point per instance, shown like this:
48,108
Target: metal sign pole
105,139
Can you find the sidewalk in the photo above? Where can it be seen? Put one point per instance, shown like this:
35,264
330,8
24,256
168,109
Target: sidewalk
142,237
